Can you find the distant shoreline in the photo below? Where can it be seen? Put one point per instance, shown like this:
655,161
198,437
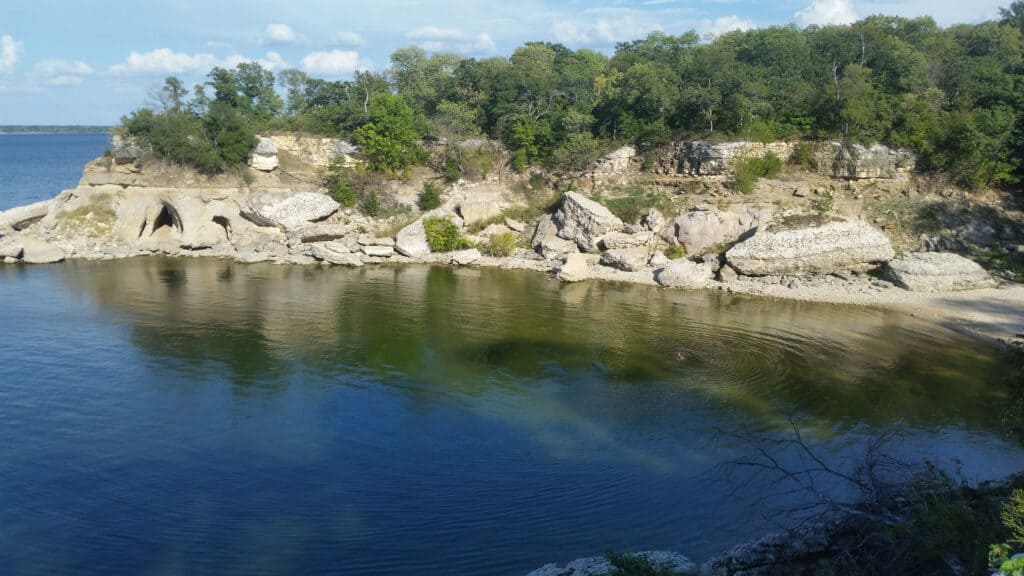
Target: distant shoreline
39,129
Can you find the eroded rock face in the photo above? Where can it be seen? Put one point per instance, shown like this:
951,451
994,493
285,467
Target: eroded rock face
479,210
683,273
546,241
813,249
853,161
674,562
703,158
700,229
126,149
315,150
937,272
615,163
264,156
584,221
299,210
24,216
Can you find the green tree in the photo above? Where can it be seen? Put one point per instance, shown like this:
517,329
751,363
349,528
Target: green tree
391,138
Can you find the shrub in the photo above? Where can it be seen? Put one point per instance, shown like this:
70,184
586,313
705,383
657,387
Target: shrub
637,199
520,161
443,235
675,252
803,155
747,171
501,245
430,196
825,203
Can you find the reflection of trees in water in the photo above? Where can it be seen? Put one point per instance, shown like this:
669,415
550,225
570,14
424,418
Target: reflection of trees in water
468,332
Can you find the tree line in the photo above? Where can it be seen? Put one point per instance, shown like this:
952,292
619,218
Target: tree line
955,95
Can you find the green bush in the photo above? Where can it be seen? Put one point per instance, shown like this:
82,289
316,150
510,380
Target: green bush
747,171
443,235
803,155
501,245
520,161
637,199
430,196
675,252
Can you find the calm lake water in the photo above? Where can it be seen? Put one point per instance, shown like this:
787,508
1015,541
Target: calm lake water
36,167
162,416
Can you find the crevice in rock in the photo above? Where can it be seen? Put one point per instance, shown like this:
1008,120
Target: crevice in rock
142,229
169,217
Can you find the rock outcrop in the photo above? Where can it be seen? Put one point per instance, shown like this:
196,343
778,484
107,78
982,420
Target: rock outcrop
24,216
815,248
703,158
264,156
671,562
937,272
704,227
615,163
547,242
584,221
853,161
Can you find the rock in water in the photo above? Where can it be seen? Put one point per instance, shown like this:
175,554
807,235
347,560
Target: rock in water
300,209
575,269
937,272
686,274
10,248
813,249
671,562
39,252
584,221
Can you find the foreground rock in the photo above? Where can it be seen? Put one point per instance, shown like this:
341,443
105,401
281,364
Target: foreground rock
264,157
937,272
39,252
547,242
335,253
575,269
814,249
10,248
24,216
703,227
584,221
686,274
628,259
673,562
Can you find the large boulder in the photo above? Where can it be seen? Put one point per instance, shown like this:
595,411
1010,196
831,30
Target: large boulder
299,210
24,216
10,248
39,252
335,253
664,562
546,241
853,161
814,247
703,227
575,269
584,221
464,257
411,241
628,259
937,272
684,273
264,156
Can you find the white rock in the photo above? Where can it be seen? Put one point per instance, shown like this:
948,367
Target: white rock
628,259
615,240
411,241
515,225
584,221
937,272
39,252
464,257
546,241
21,217
698,230
575,269
683,273
616,162
10,248
816,249
264,156
658,260
331,253
300,209
379,251
370,240
479,210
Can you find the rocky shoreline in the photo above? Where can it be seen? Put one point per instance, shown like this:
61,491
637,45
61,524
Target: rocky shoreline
278,212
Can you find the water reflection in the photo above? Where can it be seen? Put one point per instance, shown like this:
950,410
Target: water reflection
468,334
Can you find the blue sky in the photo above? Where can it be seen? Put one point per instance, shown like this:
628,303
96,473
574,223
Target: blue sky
75,62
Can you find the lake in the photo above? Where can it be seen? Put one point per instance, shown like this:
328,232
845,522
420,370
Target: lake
199,416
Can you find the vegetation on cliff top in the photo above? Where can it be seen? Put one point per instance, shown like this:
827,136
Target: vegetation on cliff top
953,94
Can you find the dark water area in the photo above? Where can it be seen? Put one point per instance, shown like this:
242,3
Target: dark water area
164,416
36,167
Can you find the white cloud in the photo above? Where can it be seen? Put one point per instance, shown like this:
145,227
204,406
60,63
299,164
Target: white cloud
720,26
63,67
331,63
822,12
435,39
279,34
603,31
164,61
347,39
65,80
10,51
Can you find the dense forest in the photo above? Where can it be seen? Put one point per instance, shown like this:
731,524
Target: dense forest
955,95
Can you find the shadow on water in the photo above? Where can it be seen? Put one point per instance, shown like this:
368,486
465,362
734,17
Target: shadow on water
465,333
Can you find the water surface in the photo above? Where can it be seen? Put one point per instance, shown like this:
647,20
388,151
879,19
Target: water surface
36,167
166,416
